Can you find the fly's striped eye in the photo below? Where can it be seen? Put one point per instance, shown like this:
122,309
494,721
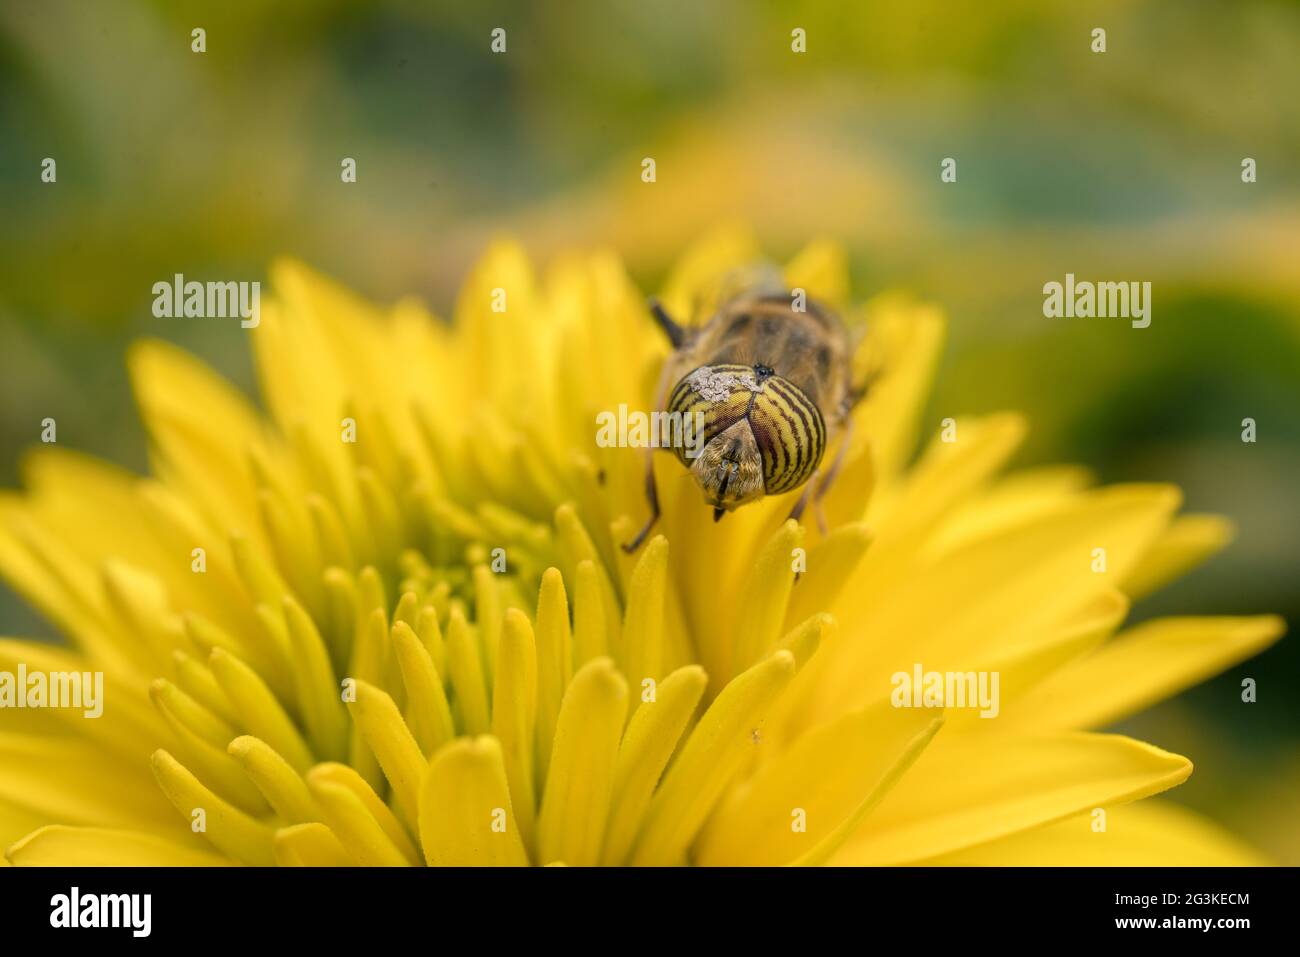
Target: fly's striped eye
718,393
790,433
787,426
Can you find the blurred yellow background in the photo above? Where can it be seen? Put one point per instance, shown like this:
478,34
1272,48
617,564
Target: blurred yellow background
1123,165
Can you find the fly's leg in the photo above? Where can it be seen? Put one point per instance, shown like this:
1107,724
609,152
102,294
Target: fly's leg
797,512
675,334
652,499
821,483
829,478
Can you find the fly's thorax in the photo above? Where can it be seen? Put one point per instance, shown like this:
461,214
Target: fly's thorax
761,434
809,348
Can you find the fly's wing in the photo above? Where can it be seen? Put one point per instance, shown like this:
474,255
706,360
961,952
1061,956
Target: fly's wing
867,362
752,280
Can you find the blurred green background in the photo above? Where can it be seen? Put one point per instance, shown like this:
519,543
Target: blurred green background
1122,165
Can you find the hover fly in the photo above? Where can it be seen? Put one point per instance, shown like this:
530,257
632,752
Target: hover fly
770,371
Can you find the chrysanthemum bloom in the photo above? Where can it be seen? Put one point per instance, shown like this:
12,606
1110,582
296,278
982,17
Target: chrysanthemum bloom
390,621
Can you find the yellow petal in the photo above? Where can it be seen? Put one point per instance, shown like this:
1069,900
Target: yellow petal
801,801
292,543
430,633
197,681
125,727
693,282
954,796
429,712
382,517
53,778
1143,665
354,826
279,783
16,821
1012,499
104,512
575,804
907,340
487,615
651,738
65,588
1188,541
341,775
259,710
200,444
962,609
576,546
140,602
58,845
821,269
296,369
1152,833
498,343
831,564
257,571
831,844
1024,667
554,662
948,472
370,655
715,750
207,635
315,682
390,739
465,809
333,347
590,638
230,830
465,665
205,754
514,703
642,652
336,549
802,641
309,845
761,604
198,719
850,495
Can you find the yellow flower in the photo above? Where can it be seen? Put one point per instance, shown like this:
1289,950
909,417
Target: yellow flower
391,624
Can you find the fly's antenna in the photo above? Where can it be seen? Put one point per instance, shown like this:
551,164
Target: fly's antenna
676,334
